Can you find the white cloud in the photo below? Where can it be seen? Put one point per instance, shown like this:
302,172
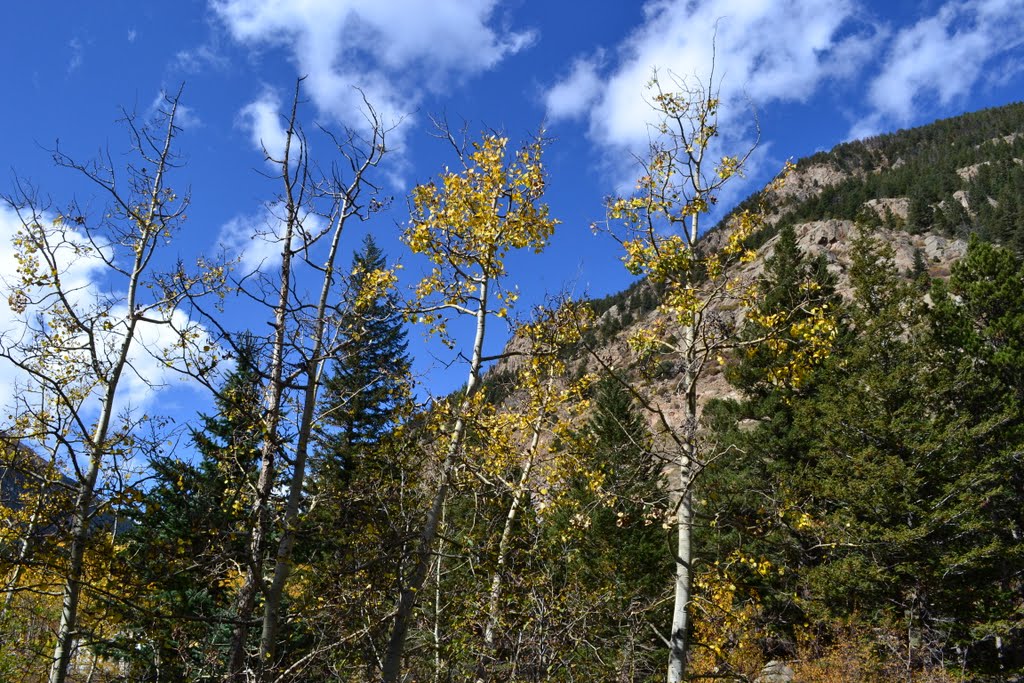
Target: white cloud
77,55
943,57
573,96
132,35
252,240
255,240
262,119
79,268
156,345
185,117
765,51
202,58
82,276
393,51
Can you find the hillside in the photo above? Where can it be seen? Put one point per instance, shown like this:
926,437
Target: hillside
866,514
922,191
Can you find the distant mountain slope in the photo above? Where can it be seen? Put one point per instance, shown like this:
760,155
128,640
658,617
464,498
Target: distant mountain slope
955,177
19,464
924,191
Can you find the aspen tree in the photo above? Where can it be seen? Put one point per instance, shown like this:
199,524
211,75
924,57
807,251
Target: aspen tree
466,223
314,211
547,408
79,344
661,230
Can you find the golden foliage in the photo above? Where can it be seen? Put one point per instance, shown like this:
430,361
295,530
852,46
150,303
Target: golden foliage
466,223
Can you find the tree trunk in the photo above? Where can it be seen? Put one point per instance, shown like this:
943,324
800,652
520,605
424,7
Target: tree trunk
437,605
680,619
245,604
81,516
314,369
688,466
497,579
392,669
150,232
283,565
66,631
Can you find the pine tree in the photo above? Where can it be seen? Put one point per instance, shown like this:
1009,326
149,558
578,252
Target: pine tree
622,453
754,515
361,463
975,381
364,396
797,293
187,539
893,475
604,547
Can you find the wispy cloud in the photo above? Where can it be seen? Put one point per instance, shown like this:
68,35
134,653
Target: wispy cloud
201,58
261,118
77,55
942,58
254,240
394,52
185,117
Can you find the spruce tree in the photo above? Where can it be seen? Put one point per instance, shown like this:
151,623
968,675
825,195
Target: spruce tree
605,546
369,381
186,540
792,287
622,452
755,515
361,477
977,384
913,475
895,476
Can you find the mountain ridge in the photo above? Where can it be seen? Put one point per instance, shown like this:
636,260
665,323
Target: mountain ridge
872,170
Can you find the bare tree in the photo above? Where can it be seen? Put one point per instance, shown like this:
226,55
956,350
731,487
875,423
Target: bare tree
88,289
302,296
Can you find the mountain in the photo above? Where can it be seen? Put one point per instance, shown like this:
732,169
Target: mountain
19,464
923,191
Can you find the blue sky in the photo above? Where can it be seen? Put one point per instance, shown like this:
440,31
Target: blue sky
816,72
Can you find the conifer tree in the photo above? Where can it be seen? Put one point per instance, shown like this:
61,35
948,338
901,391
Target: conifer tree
751,516
796,292
890,475
360,463
369,382
617,560
976,382
187,539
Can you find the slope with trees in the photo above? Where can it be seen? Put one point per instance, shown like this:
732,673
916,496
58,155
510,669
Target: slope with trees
797,438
